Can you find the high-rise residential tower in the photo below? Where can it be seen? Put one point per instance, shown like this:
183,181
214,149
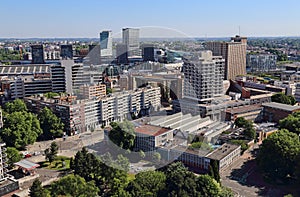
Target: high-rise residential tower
203,76
66,51
148,52
106,43
234,53
122,53
38,54
131,38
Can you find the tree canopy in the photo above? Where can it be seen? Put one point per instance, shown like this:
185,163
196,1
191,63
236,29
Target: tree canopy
50,123
278,154
249,131
15,106
13,156
291,123
122,134
20,129
51,153
37,190
74,185
282,98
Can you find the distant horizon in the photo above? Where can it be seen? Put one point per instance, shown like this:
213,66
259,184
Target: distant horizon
220,37
85,19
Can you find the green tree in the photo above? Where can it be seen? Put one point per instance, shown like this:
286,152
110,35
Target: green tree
51,153
156,157
17,105
207,186
50,123
291,123
293,100
179,181
226,192
278,154
13,156
201,145
20,129
244,145
148,183
282,98
37,190
122,134
73,185
240,122
51,94
249,131
214,170
142,154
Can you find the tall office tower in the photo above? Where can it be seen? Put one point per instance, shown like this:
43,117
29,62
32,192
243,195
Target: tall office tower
66,51
148,52
106,43
122,53
131,38
234,53
37,54
94,55
203,76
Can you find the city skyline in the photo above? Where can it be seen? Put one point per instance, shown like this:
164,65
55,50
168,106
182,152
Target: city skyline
62,19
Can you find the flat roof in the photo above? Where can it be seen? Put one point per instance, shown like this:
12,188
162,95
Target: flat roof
281,106
244,109
28,165
151,130
222,151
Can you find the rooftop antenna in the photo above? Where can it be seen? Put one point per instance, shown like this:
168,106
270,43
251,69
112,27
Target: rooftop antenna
239,30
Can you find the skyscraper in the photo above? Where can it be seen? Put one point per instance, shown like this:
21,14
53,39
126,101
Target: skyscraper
131,38
106,43
234,53
38,54
122,53
148,52
66,51
203,76
94,55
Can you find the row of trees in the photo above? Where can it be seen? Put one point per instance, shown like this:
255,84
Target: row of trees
20,127
92,177
282,98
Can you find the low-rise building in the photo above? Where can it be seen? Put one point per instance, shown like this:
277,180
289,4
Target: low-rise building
225,155
274,112
149,137
250,112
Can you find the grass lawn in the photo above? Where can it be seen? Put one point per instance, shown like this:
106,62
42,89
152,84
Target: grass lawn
57,164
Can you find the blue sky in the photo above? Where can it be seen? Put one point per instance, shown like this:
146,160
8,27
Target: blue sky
195,18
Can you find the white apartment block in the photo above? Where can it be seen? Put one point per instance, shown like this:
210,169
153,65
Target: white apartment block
203,76
120,106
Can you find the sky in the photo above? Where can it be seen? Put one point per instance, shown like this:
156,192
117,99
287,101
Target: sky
156,18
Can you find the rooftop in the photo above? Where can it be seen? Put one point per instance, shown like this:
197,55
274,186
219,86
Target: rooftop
222,151
281,106
28,165
244,109
151,130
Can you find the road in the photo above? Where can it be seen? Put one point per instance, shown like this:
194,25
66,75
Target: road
237,176
69,147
